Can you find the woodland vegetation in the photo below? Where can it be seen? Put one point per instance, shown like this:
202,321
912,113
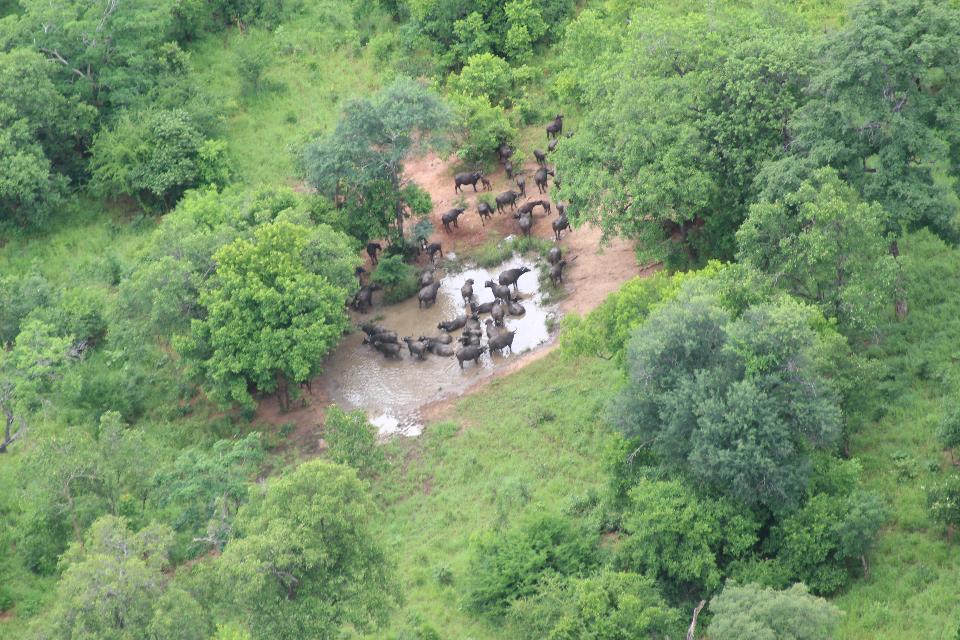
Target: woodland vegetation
763,432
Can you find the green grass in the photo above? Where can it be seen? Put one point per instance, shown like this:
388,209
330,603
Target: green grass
915,573
529,441
318,65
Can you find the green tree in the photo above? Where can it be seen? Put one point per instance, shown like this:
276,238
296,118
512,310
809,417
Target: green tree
761,613
882,112
605,606
480,128
203,489
367,149
305,560
943,500
112,583
679,113
820,543
824,246
484,75
27,373
680,539
269,319
104,50
737,403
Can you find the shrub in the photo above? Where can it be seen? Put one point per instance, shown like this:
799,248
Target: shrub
352,441
398,279
508,565
482,128
485,75
751,611
949,429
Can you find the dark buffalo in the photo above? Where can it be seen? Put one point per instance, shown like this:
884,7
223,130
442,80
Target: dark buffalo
485,212
505,198
428,295
510,276
372,249
540,177
451,217
555,128
468,353
471,179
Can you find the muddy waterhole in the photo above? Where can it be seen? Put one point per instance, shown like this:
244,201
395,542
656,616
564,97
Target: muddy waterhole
390,390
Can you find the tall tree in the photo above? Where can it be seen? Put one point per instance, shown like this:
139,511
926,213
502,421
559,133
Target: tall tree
270,318
27,374
825,246
306,560
679,114
882,111
365,152
738,403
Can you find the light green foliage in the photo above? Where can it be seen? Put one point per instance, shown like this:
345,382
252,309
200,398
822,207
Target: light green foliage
943,500
202,490
153,157
482,128
111,584
824,539
399,280
253,58
270,316
352,440
826,247
306,560
752,611
605,331
680,539
737,402
484,75
605,606
883,113
507,565
672,133
364,155
28,372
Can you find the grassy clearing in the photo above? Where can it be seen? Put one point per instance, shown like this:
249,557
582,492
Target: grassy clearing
317,66
532,440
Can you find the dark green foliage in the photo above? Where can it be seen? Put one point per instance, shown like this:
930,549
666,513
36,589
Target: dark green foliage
399,280
21,295
202,490
352,440
362,159
679,114
508,565
458,29
751,611
949,430
738,403
883,113
606,606
826,247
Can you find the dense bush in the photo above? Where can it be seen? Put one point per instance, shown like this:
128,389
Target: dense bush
398,279
352,441
751,611
509,565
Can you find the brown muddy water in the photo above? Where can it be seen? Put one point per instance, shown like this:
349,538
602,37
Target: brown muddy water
358,377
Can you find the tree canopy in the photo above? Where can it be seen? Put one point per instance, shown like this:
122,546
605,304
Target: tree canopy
362,159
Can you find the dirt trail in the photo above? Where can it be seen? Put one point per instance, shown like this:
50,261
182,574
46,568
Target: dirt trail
588,279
